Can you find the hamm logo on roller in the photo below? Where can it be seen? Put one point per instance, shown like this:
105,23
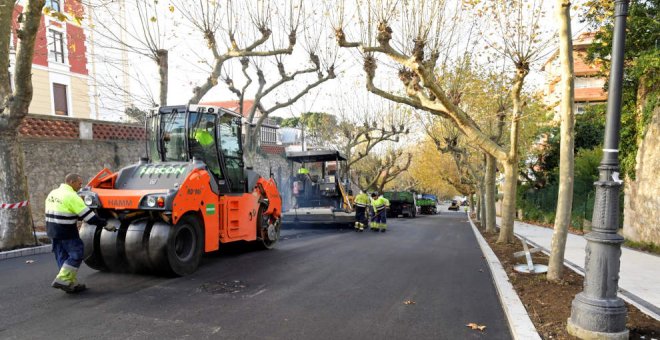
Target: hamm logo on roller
210,209
169,170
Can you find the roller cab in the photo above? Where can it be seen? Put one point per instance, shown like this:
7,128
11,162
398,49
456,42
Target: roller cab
189,196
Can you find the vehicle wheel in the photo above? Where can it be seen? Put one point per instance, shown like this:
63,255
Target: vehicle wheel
90,235
185,245
268,231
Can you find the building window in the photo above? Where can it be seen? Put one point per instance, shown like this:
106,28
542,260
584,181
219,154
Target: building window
60,98
57,46
54,5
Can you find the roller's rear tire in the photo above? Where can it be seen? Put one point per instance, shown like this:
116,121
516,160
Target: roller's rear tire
268,231
182,250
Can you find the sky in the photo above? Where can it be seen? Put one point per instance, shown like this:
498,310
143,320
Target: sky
188,67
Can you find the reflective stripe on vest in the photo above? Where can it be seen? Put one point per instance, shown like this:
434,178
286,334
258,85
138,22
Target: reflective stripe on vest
64,207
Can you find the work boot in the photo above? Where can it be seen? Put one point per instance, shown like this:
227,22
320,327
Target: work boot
66,279
80,287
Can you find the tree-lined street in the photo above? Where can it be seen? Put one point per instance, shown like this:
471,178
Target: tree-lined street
423,279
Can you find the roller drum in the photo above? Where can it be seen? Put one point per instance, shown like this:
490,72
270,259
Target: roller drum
90,235
136,245
157,247
112,247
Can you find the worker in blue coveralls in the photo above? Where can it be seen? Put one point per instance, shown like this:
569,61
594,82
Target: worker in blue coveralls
63,209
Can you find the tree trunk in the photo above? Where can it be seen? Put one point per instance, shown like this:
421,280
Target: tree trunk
16,226
5,37
479,200
489,203
509,202
566,156
163,70
250,145
511,161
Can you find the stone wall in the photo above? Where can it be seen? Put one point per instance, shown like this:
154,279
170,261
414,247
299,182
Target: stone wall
642,196
55,146
47,161
277,163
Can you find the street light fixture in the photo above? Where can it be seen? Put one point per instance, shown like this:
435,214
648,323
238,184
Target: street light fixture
597,312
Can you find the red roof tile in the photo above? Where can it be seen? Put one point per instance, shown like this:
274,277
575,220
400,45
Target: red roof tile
115,132
233,105
590,95
273,149
49,128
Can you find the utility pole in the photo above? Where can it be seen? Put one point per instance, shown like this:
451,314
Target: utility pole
597,312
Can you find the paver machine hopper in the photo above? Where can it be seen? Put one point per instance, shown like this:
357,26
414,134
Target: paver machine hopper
321,196
191,194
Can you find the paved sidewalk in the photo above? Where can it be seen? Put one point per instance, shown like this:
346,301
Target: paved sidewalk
639,276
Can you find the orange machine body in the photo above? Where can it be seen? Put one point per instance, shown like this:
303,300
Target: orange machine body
226,217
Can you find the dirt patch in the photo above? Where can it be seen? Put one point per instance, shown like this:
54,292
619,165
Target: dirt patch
549,304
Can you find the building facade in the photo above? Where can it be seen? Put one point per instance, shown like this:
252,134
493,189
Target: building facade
60,76
589,82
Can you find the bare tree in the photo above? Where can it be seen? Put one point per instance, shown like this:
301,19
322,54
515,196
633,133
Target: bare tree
15,224
566,157
260,34
376,172
364,126
147,34
428,30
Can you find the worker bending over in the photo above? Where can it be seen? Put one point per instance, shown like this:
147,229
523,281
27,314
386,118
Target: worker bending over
362,202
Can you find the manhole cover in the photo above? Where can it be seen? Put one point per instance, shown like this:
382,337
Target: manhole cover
224,287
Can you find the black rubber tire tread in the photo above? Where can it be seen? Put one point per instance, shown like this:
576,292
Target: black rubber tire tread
262,234
185,266
90,235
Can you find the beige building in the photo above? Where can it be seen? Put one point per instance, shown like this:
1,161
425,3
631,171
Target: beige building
589,82
60,74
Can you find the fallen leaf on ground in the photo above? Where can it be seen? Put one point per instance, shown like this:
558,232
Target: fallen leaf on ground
409,302
29,261
476,326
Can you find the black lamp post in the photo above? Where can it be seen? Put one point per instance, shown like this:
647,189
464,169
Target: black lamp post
597,312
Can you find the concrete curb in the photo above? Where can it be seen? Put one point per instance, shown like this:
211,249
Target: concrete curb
5,255
519,322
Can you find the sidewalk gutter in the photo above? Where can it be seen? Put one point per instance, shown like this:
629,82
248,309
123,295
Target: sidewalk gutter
644,306
519,322
5,255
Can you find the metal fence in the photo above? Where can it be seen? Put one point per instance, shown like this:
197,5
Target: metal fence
541,204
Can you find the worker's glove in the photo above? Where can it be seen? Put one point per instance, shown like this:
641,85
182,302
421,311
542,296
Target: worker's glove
110,228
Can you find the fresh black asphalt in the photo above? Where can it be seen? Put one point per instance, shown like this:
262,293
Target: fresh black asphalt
423,279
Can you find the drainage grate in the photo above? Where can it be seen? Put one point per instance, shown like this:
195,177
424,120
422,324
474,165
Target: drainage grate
224,287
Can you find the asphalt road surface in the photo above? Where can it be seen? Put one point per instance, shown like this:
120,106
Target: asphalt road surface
423,279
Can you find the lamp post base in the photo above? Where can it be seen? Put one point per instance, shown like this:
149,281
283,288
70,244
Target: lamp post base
585,334
597,319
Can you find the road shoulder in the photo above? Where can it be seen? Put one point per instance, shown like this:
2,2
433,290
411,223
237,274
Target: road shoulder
519,322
